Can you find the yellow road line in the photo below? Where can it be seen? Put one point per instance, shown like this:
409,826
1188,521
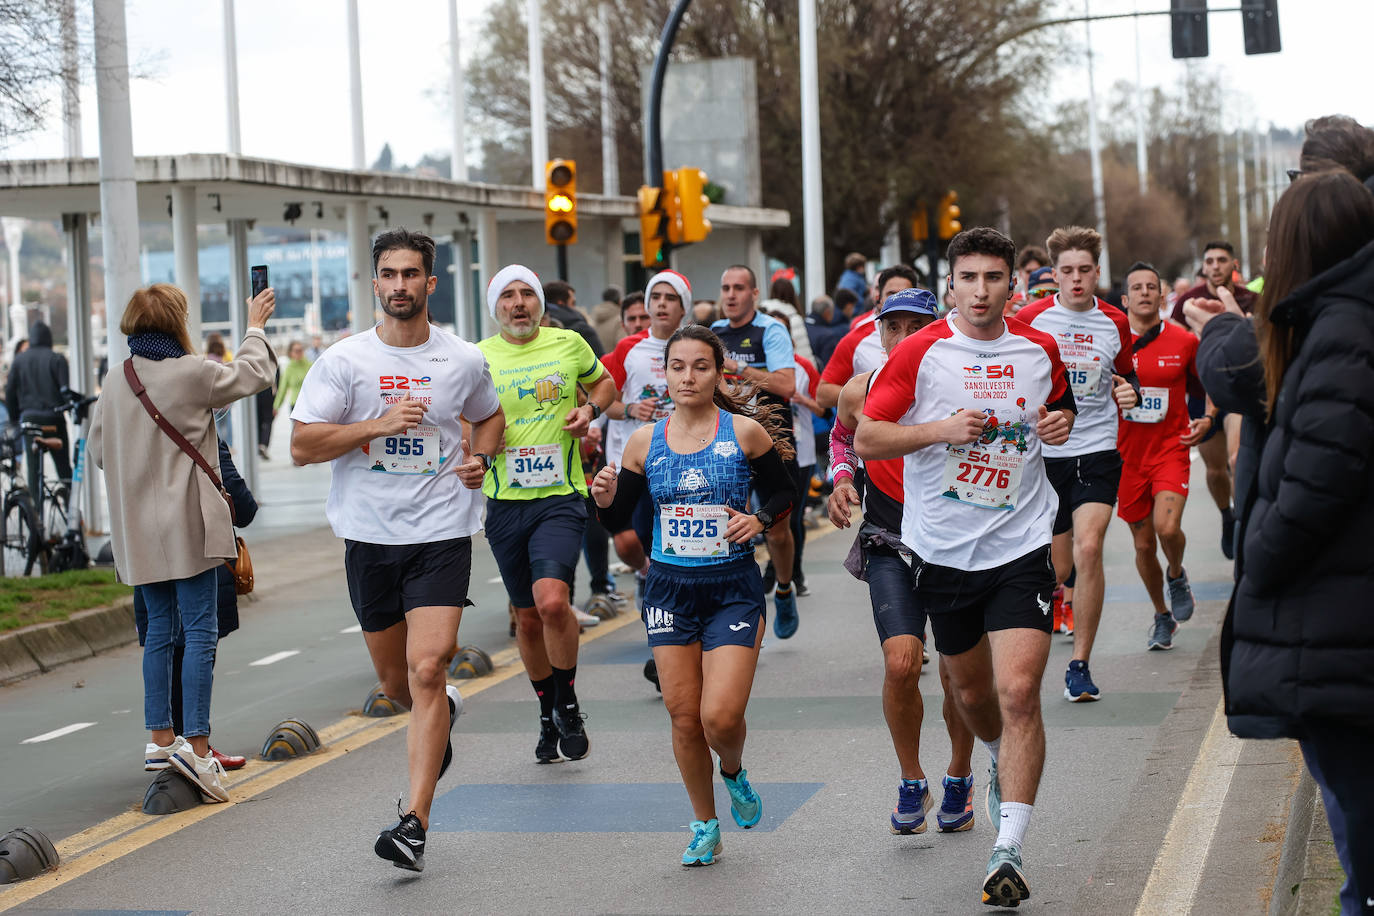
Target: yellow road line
118,836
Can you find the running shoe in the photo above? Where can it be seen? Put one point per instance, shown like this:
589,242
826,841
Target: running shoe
705,845
956,808
1005,884
913,801
992,800
205,773
1078,683
1162,633
156,757
455,709
572,737
584,619
1066,619
404,844
1058,600
745,805
1181,601
786,620
546,751
651,674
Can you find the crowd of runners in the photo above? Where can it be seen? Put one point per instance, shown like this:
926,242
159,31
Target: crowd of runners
978,438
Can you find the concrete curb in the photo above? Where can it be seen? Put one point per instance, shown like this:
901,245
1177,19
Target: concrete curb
1302,813
42,647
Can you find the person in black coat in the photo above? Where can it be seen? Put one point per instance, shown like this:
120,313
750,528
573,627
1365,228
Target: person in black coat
33,391
226,597
1298,641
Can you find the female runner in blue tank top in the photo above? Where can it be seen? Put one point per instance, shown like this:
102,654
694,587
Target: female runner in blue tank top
703,598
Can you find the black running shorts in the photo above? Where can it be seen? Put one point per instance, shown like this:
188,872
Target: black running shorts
1091,478
535,539
387,581
962,606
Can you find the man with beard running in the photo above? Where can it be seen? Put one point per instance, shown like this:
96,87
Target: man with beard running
387,408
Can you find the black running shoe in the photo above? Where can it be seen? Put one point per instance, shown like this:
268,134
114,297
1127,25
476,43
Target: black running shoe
455,709
404,844
1228,534
546,751
651,674
572,737
770,577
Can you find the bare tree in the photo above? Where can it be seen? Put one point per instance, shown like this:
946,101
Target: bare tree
31,64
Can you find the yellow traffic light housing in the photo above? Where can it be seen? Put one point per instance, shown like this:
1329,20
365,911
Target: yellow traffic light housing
672,208
948,216
560,202
920,224
653,226
692,204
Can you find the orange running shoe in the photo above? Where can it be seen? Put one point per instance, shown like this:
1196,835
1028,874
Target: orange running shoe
1058,608
1066,623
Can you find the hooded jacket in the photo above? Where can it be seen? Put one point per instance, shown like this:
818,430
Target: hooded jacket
37,376
1298,642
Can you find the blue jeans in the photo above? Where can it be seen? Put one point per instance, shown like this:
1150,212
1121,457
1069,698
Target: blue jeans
1350,899
182,608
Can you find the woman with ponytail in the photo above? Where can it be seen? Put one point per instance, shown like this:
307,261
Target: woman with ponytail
703,598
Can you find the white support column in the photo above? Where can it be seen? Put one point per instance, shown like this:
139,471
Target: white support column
361,301
1095,149
79,355
610,158
231,78
186,251
118,190
489,259
1142,163
1222,186
244,410
16,314
812,208
314,323
462,291
355,87
539,126
458,168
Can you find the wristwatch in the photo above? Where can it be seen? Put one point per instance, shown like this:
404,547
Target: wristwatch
486,460
766,517
596,411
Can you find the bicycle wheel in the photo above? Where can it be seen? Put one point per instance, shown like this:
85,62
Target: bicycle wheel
54,518
20,545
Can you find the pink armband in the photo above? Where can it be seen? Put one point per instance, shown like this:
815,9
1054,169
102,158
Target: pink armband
843,458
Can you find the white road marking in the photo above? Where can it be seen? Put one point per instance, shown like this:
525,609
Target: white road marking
275,657
57,732
1177,871
356,628
494,580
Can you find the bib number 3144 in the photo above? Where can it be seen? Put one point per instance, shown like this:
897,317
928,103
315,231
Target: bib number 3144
535,465
693,531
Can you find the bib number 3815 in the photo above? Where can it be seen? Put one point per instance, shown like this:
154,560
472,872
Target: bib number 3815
416,451
986,477
693,531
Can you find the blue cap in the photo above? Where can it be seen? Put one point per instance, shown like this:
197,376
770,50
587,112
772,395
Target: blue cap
1039,276
915,301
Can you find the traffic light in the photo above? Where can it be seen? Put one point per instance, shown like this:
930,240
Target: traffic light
947,216
692,203
560,202
653,226
672,209
1189,28
920,224
1260,19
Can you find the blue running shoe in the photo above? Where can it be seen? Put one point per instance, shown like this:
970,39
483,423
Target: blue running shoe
1181,601
786,620
1078,683
956,809
913,801
1005,884
1162,632
745,804
705,845
992,801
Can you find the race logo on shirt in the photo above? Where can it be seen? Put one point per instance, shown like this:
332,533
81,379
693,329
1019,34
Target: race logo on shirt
394,388
990,382
545,391
724,449
692,479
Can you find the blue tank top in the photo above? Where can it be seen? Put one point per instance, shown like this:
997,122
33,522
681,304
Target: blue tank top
717,475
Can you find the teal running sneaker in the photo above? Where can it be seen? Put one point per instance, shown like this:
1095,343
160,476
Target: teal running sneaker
913,801
1005,884
705,845
993,799
956,808
745,805
785,620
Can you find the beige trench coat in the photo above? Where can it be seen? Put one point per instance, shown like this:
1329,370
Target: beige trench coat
167,520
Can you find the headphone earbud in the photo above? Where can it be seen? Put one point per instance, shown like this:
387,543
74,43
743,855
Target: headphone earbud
1011,284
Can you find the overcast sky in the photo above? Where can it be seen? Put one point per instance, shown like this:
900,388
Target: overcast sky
293,73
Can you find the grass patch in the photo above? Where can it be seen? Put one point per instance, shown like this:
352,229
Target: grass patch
41,599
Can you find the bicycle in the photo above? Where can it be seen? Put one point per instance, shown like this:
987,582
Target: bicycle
65,532
21,543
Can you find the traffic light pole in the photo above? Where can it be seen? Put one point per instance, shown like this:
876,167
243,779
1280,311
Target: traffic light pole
653,122
563,262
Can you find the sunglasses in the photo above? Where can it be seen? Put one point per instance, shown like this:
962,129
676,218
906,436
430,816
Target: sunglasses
1293,174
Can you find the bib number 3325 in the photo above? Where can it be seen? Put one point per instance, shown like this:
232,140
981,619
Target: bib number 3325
693,531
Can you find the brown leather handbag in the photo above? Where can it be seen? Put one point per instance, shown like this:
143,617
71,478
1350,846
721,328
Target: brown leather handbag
242,567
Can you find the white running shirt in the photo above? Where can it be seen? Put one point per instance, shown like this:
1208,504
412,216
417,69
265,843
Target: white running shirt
932,375
1093,344
636,365
359,378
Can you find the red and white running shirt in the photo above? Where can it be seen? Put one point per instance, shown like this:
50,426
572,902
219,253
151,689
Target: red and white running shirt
983,505
1093,344
636,365
1166,365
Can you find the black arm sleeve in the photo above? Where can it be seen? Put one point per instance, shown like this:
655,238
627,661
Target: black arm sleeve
775,486
628,489
1064,402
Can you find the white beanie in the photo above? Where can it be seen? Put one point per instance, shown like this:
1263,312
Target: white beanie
679,284
505,277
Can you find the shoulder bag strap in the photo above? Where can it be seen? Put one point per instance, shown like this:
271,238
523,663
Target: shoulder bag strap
142,394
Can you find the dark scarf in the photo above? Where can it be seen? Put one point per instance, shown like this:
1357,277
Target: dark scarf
155,345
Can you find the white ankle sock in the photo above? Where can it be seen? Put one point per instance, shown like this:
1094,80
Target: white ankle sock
1015,820
993,747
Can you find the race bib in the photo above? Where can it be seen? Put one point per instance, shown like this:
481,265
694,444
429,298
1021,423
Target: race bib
415,451
693,531
1084,378
981,476
535,465
1154,404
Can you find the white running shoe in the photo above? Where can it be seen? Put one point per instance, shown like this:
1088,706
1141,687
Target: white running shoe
205,773
585,620
156,757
